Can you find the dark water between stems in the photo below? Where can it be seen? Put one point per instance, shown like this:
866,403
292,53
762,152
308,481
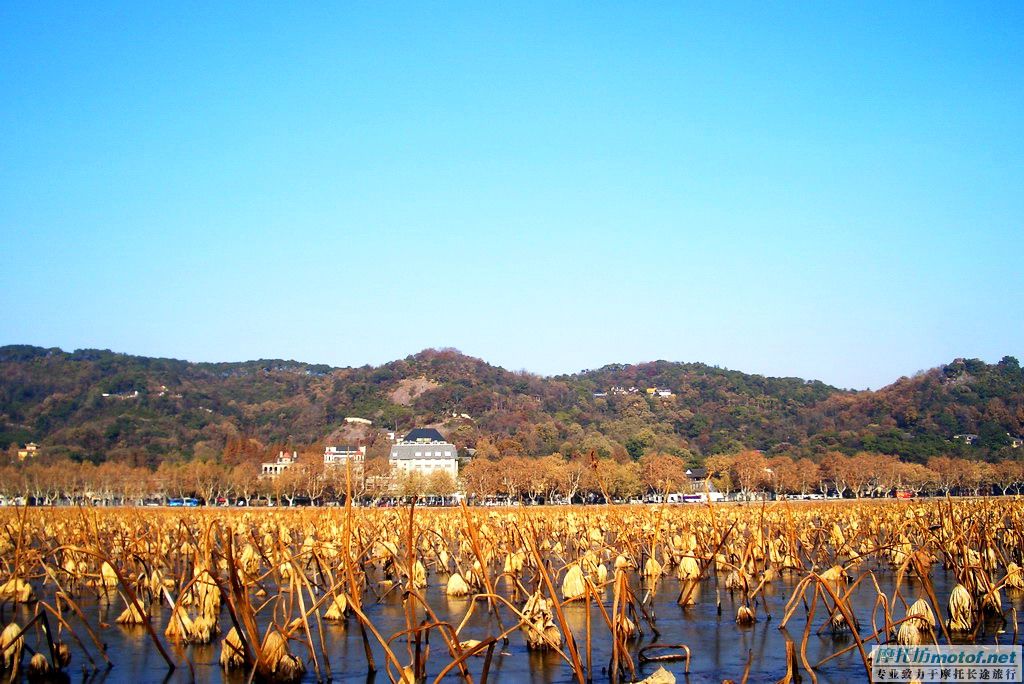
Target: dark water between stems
719,646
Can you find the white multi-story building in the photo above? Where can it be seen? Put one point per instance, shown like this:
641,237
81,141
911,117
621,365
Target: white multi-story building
340,455
424,450
345,456
283,462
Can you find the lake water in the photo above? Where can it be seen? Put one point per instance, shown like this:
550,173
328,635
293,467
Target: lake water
718,645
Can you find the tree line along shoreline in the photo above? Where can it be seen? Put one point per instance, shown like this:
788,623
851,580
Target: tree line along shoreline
513,479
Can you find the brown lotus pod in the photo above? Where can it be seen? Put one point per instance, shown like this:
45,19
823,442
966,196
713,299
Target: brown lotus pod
539,629
653,569
689,568
573,584
277,663
745,616
1014,576
922,610
202,630
179,627
108,577
961,610
338,608
131,615
419,574
660,676
17,590
910,634
11,645
836,576
38,667
456,586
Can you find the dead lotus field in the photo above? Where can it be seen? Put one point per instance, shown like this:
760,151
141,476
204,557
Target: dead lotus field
775,592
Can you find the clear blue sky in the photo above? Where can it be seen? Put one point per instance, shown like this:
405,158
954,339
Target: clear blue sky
826,190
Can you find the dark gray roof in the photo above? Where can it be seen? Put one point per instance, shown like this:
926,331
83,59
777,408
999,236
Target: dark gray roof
698,473
424,434
404,452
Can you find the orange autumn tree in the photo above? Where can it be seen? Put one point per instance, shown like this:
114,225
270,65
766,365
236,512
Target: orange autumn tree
663,473
751,470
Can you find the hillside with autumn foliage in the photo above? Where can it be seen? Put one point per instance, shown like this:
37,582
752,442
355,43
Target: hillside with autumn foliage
98,405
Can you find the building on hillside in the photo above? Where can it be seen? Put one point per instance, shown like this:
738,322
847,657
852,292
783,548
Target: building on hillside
346,456
424,451
340,455
283,462
30,451
966,438
134,394
357,420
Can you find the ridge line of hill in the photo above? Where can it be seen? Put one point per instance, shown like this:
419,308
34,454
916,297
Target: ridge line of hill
98,405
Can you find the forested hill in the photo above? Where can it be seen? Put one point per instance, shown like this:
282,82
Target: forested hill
97,405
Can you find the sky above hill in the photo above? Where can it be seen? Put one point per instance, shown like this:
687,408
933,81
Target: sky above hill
830,191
